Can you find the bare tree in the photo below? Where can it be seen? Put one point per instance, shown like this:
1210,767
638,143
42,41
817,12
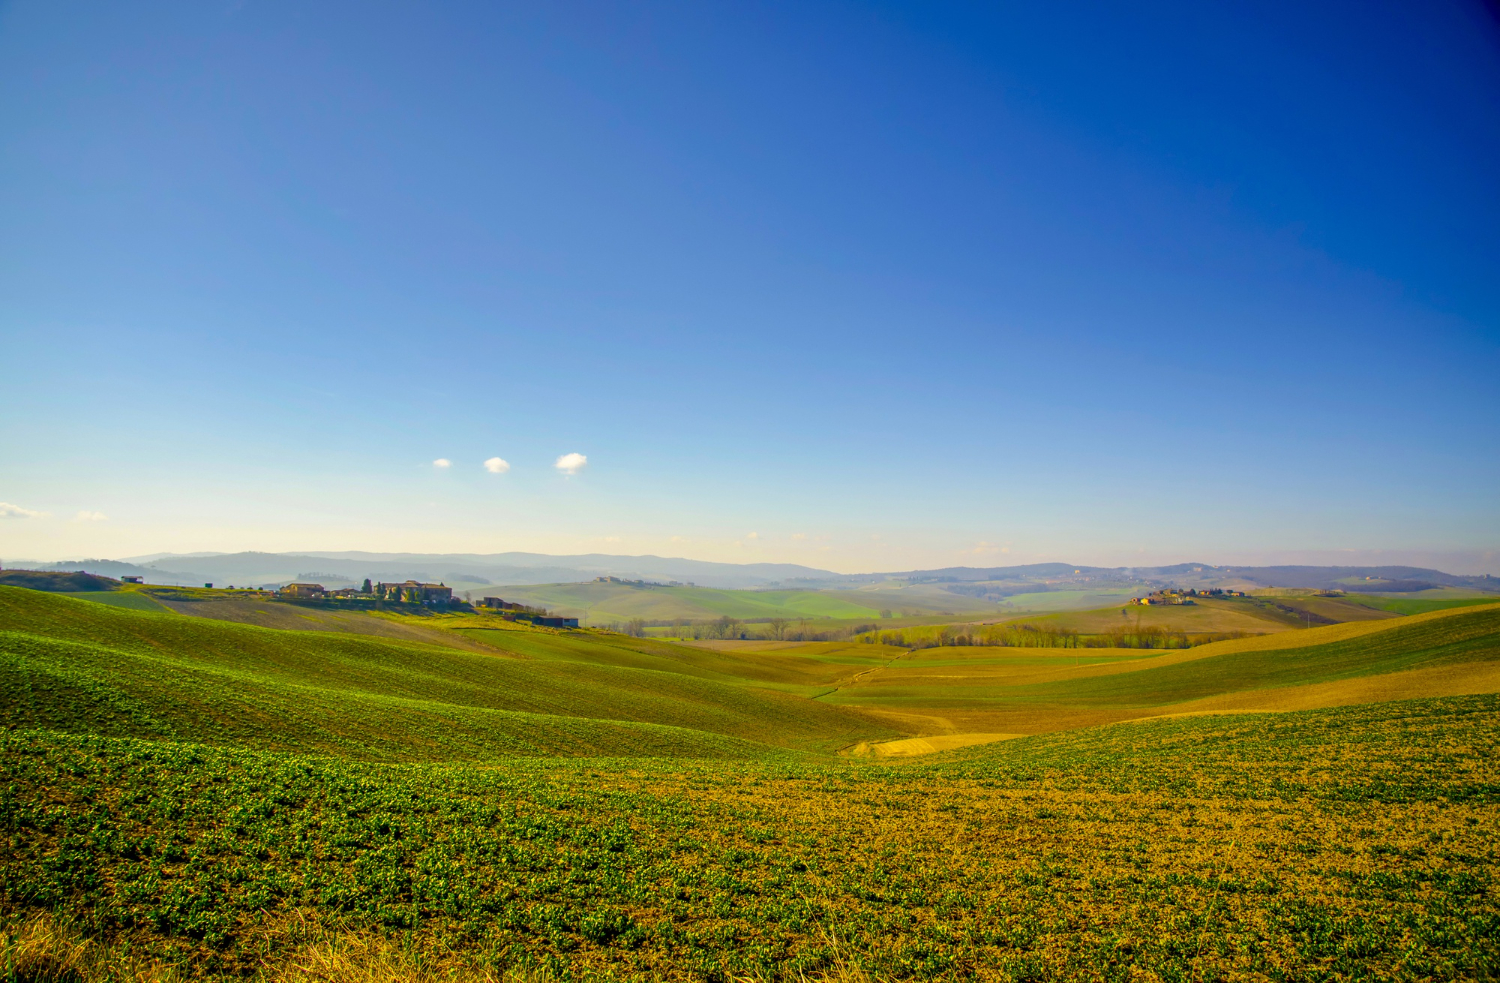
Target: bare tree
778,628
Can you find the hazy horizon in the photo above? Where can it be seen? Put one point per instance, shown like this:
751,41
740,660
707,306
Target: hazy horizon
1459,562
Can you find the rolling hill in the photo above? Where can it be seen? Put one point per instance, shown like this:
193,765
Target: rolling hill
997,585
1354,843
195,798
957,690
76,666
467,569
467,686
603,603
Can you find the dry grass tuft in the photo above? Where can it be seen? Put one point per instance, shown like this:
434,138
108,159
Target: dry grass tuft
355,959
842,966
40,950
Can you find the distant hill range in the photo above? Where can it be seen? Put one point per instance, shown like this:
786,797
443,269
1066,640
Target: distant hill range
1380,579
475,571
467,570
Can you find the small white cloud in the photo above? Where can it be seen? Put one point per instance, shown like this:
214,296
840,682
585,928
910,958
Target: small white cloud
677,539
442,462
497,465
798,537
611,539
9,511
571,463
752,535
87,516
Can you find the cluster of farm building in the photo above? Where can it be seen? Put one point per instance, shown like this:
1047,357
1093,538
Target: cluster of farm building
1178,595
427,595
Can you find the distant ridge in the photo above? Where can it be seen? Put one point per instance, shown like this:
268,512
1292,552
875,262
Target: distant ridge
477,570
257,568
1375,578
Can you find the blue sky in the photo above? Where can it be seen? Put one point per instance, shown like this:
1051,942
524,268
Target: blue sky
883,285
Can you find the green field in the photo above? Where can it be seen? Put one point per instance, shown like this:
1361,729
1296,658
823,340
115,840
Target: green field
603,603
1421,602
1069,600
191,798
135,600
82,667
1328,845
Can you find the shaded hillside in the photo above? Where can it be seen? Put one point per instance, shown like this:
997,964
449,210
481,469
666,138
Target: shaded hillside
56,580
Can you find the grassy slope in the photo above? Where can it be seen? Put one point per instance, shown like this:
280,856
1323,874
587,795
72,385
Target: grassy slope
812,666
1068,600
1298,659
57,580
1250,615
1420,604
1334,845
1322,609
86,667
620,602
998,690
133,599
1339,844
1254,615
248,610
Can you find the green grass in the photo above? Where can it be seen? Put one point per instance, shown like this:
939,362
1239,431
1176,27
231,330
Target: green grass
219,797
606,602
84,667
1418,605
1069,600
133,599
1464,637
1215,669
1333,845
57,580
1400,752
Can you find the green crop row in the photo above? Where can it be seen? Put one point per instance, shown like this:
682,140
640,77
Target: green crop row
1187,849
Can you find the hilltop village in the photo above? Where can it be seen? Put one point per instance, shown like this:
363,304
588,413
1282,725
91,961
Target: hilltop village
1176,595
437,596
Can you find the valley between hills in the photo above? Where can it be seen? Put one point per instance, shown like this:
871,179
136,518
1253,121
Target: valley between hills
216,784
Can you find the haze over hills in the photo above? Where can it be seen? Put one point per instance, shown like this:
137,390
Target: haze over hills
258,568
476,572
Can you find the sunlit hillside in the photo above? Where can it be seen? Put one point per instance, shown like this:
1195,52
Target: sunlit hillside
412,795
603,603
